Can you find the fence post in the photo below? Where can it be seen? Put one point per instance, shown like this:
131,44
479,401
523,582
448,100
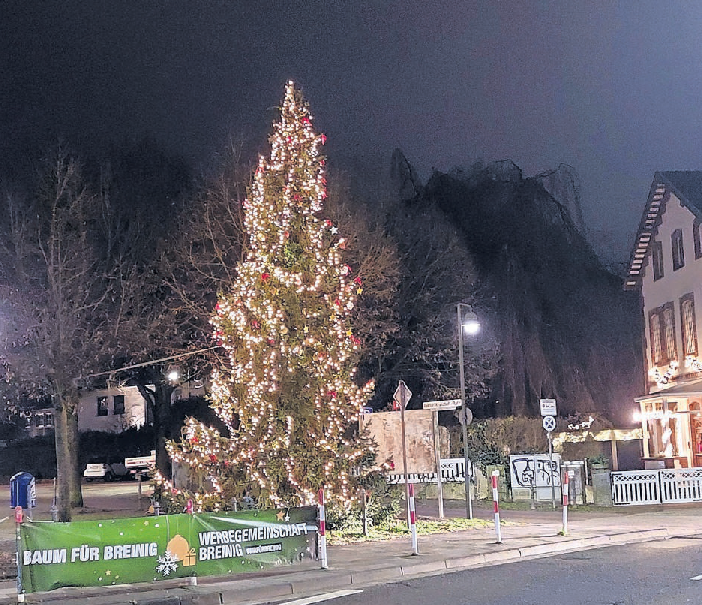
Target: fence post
322,530
495,499
413,519
564,488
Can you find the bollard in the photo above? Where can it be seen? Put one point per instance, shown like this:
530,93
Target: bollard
189,507
495,499
157,508
413,519
364,511
54,512
564,488
19,517
322,530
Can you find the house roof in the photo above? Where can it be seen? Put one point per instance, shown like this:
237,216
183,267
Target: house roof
686,185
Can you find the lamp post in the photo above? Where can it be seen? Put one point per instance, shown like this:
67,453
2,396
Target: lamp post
467,321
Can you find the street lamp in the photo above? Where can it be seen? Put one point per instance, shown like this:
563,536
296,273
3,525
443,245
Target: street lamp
468,323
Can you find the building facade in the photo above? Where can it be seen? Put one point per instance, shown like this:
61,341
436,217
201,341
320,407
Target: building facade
666,267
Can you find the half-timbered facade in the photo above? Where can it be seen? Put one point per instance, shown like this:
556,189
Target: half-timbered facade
666,267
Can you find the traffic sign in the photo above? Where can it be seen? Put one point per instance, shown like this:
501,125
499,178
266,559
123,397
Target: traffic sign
465,416
548,407
549,423
449,404
401,392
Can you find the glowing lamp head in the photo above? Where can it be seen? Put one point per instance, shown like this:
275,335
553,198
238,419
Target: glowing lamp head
470,323
173,374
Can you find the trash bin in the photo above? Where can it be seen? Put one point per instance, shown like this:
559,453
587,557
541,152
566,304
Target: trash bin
23,491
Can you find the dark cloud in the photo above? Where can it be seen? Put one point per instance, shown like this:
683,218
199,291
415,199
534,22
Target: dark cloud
612,88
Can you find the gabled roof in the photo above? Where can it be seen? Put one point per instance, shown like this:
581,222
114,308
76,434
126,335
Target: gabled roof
687,187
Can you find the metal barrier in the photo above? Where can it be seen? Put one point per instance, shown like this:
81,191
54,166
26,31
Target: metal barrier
681,485
452,470
635,487
664,486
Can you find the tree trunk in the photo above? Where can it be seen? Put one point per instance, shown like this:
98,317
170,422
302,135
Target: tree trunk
73,439
63,473
158,400
162,413
68,475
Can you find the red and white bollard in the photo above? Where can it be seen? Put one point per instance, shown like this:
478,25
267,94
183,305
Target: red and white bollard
564,489
322,530
412,519
189,507
495,499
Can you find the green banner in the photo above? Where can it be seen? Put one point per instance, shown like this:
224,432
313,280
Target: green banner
126,551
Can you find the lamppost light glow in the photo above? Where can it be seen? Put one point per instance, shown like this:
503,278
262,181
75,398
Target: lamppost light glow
471,324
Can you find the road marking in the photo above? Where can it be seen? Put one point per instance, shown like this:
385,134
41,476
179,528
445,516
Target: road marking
4,519
327,596
696,578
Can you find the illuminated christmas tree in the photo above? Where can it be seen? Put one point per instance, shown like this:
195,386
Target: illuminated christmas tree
287,394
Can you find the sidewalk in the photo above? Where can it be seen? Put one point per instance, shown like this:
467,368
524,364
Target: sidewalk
525,535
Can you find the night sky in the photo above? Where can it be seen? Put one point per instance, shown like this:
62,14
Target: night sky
611,88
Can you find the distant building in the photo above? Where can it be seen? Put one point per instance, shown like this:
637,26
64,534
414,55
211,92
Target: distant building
113,410
666,267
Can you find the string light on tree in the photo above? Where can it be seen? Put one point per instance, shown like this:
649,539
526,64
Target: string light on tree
287,394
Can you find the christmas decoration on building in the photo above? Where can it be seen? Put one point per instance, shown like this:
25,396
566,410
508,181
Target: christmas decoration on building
287,394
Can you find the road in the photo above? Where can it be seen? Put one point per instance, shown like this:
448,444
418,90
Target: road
654,573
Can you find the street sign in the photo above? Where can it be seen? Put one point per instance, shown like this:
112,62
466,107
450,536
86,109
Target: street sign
401,391
449,404
548,407
549,423
465,416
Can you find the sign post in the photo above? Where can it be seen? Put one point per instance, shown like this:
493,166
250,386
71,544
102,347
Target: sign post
549,411
435,406
401,397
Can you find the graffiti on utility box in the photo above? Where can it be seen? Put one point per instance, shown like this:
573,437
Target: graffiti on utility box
535,470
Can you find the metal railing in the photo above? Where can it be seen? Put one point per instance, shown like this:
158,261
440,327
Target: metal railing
452,470
664,486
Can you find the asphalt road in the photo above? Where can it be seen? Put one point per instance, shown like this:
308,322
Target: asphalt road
654,573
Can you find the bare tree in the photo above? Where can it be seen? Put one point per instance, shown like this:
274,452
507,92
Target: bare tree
54,285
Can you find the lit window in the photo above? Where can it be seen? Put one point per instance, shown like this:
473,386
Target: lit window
669,320
678,250
655,325
102,406
657,259
689,330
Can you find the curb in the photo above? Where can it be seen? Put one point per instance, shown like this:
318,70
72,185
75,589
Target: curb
311,582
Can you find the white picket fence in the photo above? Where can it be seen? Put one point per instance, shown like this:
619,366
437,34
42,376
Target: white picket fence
665,486
452,470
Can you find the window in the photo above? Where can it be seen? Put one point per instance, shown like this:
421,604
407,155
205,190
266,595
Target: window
669,332
661,323
657,259
102,406
48,420
689,329
678,250
118,401
696,238
654,322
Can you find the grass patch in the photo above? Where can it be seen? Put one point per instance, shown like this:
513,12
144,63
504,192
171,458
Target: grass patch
397,528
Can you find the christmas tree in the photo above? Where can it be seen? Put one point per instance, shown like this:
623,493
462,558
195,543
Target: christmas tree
286,393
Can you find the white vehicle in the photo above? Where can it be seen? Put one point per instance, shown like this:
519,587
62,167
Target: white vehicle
140,465
106,472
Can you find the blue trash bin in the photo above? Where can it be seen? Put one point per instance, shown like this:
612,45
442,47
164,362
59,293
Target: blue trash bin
23,491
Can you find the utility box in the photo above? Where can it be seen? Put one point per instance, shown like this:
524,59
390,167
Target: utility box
23,491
